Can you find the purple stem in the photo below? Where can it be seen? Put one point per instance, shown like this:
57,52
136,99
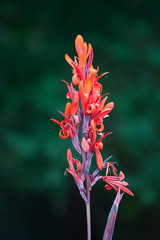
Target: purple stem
85,169
88,213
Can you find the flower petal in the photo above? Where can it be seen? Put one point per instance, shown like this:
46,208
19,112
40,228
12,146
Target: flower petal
109,106
78,164
75,103
75,79
84,98
69,60
68,109
99,159
54,120
88,85
80,45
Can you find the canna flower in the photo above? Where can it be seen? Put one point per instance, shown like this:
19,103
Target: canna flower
70,120
86,110
78,177
88,96
116,183
83,122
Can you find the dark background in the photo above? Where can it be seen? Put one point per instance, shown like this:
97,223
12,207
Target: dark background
36,200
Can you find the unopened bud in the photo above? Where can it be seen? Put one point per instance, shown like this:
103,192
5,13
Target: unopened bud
85,145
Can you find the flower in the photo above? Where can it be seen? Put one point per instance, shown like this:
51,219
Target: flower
78,176
116,183
83,122
71,169
87,107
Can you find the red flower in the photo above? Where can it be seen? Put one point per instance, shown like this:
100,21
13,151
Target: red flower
93,105
85,111
116,183
76,173
71,169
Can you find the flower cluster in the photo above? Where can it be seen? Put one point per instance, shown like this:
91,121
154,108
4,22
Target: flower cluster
85,112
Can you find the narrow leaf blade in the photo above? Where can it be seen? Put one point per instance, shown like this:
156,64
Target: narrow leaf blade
112,218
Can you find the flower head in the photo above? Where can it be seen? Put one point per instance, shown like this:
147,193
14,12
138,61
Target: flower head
85,111
88,95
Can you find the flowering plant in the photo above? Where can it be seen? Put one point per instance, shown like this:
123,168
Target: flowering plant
83,123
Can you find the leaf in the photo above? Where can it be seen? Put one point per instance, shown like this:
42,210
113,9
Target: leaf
112,217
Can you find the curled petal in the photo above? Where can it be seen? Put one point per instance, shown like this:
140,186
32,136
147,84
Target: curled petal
107,187
101,128
63,134
68,95
91,108
78,164
99,145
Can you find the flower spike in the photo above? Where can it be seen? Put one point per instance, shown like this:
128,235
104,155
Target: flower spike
83,122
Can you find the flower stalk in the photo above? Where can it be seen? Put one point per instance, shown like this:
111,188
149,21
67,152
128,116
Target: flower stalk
88,212
86,109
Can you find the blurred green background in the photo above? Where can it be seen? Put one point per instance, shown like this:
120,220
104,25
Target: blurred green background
36,200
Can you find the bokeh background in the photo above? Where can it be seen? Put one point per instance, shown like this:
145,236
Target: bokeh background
36,200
